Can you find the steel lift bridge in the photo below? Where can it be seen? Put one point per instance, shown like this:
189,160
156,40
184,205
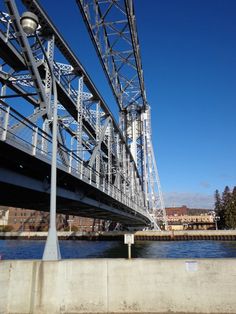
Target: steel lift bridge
105,169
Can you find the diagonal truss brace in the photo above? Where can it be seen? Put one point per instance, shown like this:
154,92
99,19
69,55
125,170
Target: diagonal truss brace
27,53
99,142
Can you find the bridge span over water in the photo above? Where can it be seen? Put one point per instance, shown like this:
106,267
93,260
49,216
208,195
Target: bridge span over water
105,169
25,183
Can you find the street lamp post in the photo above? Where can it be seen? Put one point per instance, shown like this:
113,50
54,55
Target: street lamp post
215,219
52,249
70,221
29,23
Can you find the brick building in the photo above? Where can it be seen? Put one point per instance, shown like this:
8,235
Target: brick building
32,220
177,211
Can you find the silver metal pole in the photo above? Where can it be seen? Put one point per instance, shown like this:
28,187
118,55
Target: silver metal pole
129,251
52,249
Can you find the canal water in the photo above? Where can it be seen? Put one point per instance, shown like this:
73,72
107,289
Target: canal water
30,249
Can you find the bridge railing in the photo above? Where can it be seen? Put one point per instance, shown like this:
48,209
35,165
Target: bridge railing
30,139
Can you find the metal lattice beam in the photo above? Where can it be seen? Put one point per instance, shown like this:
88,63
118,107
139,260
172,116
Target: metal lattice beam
112,28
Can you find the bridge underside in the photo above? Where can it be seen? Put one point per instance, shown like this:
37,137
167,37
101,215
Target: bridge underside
25,183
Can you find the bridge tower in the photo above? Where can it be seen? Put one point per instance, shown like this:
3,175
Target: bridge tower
113,31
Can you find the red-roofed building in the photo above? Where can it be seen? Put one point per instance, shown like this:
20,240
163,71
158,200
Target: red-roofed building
177,211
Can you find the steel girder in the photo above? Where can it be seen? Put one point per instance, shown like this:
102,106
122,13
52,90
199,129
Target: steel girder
112,27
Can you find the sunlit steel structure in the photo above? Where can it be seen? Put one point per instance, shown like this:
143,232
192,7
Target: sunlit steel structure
113,30
105,169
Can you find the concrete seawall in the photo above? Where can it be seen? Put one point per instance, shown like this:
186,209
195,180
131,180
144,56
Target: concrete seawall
118,286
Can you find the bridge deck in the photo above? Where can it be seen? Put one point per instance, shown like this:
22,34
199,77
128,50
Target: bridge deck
25,183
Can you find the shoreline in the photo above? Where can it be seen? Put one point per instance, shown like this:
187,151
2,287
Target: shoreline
187,235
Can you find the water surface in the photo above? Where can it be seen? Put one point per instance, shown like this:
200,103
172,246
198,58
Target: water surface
30,249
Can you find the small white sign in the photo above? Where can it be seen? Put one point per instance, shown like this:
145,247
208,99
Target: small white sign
191,266
129,238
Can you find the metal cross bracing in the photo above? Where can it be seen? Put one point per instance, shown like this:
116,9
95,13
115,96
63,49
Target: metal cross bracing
91,146
112,28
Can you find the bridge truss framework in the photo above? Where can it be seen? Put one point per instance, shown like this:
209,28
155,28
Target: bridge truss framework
113,30
116,159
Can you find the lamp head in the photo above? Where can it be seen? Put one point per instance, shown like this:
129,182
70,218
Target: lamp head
29,22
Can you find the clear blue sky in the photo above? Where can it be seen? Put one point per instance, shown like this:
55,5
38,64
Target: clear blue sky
188,50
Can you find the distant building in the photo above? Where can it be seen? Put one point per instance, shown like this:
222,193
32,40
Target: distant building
4,213
177,211
32,220
183,218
